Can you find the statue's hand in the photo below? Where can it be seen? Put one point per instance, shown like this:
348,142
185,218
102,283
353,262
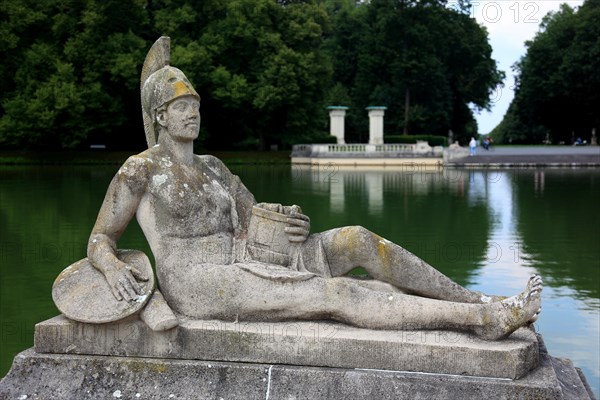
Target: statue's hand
298,227
122,280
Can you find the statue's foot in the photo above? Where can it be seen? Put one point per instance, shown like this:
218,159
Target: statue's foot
534,281
504,317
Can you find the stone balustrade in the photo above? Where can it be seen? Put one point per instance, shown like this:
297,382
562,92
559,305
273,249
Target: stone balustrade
361,150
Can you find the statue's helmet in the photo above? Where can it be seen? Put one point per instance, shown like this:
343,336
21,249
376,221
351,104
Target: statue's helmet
162,87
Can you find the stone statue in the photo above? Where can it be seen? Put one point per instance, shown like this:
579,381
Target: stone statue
220,255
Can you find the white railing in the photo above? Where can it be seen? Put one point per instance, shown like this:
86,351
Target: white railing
366,150
347,148
395,148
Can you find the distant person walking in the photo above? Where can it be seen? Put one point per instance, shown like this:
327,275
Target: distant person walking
486,143
472,146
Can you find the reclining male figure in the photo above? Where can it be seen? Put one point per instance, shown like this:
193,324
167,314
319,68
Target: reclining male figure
186,204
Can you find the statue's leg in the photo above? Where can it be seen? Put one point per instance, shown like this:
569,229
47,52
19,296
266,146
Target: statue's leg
354,246
347,301
229,292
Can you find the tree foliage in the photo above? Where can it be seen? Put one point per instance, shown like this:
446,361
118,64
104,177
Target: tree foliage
265,69
69,71
259,67
557,95
426,62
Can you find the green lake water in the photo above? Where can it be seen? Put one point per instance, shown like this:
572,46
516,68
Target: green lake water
488,230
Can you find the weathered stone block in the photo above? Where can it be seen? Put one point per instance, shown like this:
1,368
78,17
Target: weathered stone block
66,376
297,343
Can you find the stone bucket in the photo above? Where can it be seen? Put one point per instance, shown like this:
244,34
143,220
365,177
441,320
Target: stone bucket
267,241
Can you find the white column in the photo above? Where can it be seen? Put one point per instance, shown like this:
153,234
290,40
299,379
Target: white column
376,124
336,122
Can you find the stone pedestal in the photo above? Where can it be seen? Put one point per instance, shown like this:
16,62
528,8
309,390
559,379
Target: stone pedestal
296,360
337,115
376,124
323,344
68,376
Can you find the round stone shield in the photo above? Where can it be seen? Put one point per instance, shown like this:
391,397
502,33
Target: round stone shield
82,293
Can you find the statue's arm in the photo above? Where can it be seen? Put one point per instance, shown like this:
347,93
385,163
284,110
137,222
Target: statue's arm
119,206
244,201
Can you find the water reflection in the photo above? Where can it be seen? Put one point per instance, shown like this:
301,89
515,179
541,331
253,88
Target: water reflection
506,265
372,182
337,195
539,182
559,221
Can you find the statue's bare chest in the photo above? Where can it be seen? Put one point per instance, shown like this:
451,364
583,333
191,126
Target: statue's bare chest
192,195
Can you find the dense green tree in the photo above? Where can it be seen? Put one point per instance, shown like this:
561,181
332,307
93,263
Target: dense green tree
558,80
70,69
342,44
69,74
257,64
429,64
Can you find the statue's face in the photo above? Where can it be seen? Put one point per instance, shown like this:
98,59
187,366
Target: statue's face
182,118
